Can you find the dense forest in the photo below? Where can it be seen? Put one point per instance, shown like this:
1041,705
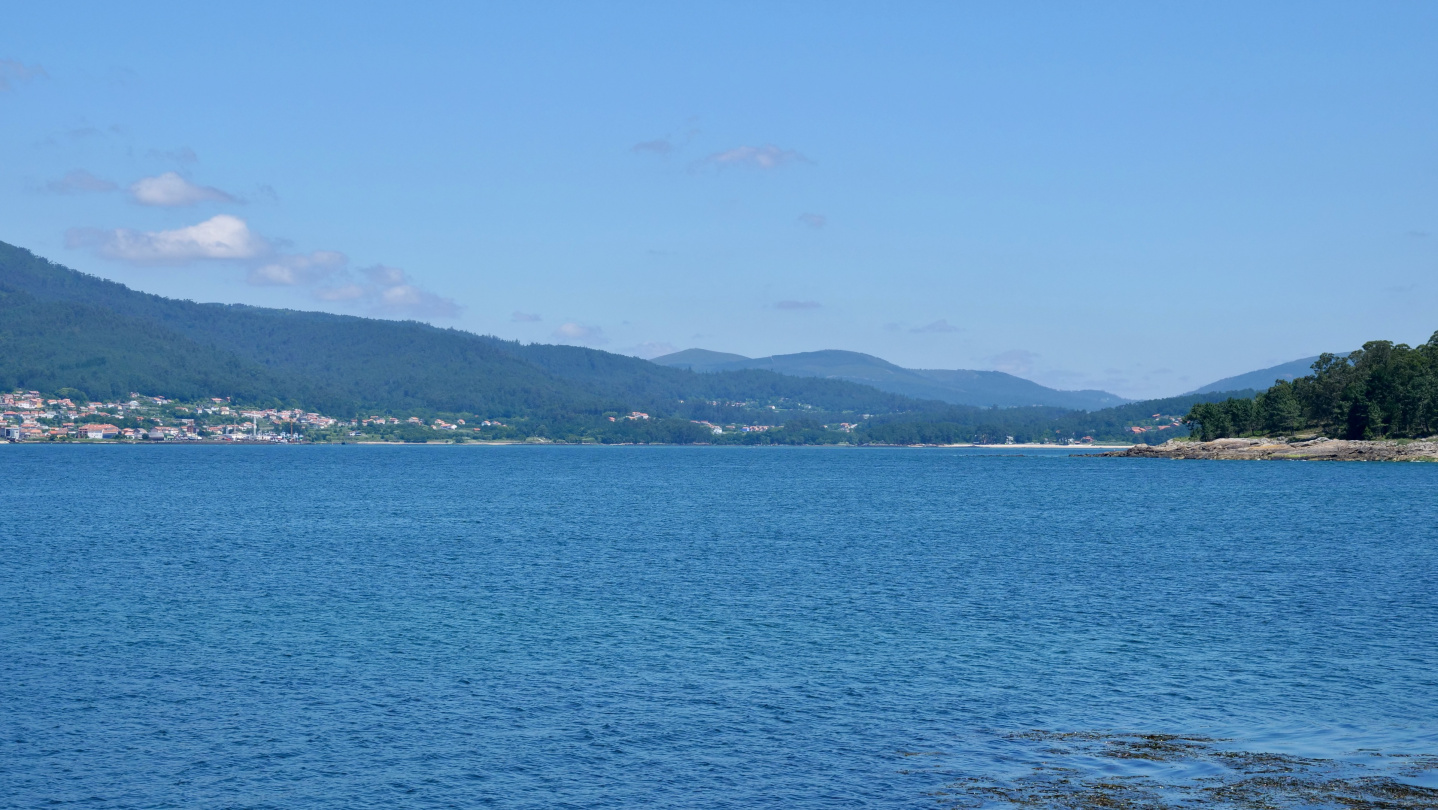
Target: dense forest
60,329
1383,391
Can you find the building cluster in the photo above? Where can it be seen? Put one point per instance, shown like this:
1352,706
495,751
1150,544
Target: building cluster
1158,417
31,416
28,416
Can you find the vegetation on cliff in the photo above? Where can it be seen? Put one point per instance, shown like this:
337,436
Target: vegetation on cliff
1383,391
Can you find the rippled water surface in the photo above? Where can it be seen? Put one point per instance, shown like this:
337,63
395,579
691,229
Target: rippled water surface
464,626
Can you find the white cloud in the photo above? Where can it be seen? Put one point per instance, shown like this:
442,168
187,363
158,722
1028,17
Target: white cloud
219,237
12,71
525,317
579,333
797,305
764,157
79,181
407,299
387,290
814,221
170,190
289,270
390,292
941,326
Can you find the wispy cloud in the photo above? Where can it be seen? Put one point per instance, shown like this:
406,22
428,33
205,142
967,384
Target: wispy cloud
181,154
79,181
664,146
79,133
814,221
525,317
385,290
652,349
581,333
170,190
1019,362
763,158
325,274
658,146
288,270
1416,234
219,237
397,296
341,293
13,71
790,304
939,327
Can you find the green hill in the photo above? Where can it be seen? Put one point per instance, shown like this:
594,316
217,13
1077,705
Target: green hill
62,328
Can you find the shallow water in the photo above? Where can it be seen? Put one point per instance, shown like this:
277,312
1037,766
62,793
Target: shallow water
707,627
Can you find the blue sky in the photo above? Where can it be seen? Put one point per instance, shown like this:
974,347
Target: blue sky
1138,197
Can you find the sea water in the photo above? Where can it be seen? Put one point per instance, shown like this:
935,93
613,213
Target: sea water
606,627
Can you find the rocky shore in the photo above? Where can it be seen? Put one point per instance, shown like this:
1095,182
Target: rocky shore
1310,450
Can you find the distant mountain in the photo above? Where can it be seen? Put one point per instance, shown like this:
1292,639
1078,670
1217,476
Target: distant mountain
1263,379
959,387
699,359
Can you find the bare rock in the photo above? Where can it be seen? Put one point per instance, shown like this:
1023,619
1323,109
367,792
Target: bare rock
1320,449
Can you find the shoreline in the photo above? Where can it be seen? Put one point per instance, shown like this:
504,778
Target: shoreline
1279,449
513,443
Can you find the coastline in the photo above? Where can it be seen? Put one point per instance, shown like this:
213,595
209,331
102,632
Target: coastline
1278,449
522,443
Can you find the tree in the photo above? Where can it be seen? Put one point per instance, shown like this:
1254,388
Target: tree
1279,409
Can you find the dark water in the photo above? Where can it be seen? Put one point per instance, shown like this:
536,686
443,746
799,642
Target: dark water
354,627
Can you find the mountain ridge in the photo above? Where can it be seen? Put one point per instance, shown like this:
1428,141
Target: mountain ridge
955,386
1262,378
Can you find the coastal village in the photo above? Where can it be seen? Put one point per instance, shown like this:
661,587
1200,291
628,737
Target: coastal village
30,416
33,416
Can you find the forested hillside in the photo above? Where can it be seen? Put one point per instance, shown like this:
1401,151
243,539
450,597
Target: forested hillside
60,329
67,328
1383,391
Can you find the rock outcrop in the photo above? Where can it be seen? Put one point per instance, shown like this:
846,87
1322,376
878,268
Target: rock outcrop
1311,450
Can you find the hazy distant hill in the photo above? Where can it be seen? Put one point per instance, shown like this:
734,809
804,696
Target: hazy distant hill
960,387
1262,379
699,359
